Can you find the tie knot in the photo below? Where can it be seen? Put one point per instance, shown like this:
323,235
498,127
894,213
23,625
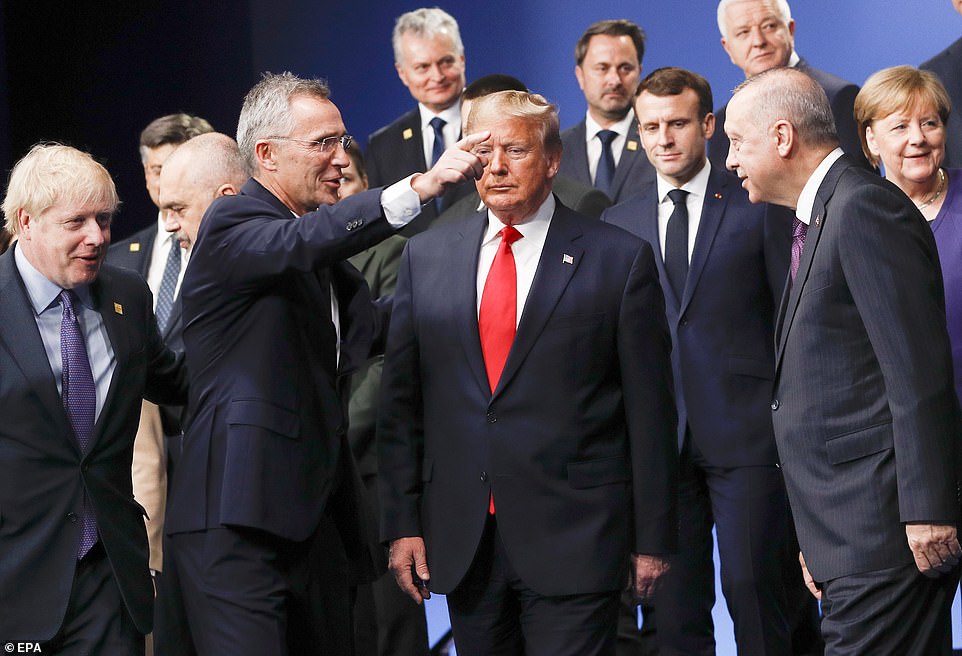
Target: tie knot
606,137
67,298
510,234
437,123
799,229
677,196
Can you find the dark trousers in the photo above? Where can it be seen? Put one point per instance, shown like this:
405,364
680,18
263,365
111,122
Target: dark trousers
493,613
249,593
97,621
749,510
387,622
895,611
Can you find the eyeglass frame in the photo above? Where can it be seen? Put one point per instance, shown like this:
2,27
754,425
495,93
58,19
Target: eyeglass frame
345,140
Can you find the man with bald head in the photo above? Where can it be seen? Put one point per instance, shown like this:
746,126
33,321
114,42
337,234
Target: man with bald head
759,35
864,409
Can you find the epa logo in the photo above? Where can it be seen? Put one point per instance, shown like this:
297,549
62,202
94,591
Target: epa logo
22,648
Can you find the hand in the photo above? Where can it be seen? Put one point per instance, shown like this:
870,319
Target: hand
935,547
645,573
408,555
809,581
456,165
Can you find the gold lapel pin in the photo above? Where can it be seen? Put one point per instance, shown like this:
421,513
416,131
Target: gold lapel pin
631,145
567,259
135,247
118,308
407,134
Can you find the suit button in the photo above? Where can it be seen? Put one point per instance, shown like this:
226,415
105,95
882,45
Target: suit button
492,418
774,405
484,477
72,517
684,322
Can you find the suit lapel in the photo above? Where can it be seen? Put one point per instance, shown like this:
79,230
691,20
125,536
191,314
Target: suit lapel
412,143
579,154
713,209
630,153
110,308
465,250
649,232
21,337
560,259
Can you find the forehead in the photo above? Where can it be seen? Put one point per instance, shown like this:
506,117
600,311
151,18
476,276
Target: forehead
315,117
416,48
157,156
735,115
68,206
747,11
608,47
509,129
651,107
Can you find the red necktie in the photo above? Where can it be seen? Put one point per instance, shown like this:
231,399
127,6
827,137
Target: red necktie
497,317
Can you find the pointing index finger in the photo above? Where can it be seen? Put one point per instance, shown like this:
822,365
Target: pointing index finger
470,141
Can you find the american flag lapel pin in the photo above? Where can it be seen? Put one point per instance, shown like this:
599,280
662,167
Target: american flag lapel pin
567,259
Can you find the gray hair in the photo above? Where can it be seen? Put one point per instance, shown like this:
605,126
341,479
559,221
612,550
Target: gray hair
426,23
781,6
791,95
267,109
50,173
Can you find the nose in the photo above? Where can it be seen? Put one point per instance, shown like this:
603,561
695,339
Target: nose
170,222
664,136
758,39
94,234
731,162
916,135
340,157
498,161
612,76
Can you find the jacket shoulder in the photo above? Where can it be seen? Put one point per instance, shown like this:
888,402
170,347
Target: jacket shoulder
409,119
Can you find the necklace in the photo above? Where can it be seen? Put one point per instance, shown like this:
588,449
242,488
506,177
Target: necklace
938,192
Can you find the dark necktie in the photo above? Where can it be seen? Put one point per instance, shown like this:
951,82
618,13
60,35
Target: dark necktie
79,396
605,173
676,243
168,283
437,124
497,317
799,230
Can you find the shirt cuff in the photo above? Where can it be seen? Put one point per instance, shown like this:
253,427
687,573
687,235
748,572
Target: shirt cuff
400,202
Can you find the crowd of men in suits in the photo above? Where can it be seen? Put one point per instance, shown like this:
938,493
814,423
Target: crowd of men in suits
599,345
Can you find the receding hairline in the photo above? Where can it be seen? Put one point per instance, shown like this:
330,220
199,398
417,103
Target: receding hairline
780,6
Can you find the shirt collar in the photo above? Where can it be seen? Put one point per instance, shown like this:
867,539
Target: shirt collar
40,291
697,185
536,223
806,199
451,116
621,127
793,60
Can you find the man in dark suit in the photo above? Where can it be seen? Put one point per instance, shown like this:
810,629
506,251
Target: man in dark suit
759,35
267,500
723,363
524,469
429,58
603,150
582,198
865,415
79,347
948,66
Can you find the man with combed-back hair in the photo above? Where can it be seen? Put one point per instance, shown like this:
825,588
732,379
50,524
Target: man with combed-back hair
526,432
265,516
866,419
429,58
79,349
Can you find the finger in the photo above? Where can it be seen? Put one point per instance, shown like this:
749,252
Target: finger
470,141
402,575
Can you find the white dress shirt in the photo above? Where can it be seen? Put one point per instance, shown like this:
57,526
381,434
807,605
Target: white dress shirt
806,199
451,129
593,143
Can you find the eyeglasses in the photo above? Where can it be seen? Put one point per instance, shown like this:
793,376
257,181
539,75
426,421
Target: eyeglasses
326,144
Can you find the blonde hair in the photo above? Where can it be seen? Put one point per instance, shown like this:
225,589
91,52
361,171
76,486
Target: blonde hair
898,88
518,104
50,173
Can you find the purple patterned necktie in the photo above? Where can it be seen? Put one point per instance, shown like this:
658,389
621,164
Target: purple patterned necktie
79,400
799,230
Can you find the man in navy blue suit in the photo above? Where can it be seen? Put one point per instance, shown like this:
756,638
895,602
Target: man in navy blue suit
526,432
266,516
722,263
759,35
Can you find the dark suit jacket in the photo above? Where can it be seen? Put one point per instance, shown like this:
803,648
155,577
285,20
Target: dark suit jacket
44,476
841,96
633,170
396,151
865,414
266,446
722,328
948,66
134,253
579,431
580,197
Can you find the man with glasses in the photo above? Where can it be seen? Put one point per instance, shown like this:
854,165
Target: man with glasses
265,512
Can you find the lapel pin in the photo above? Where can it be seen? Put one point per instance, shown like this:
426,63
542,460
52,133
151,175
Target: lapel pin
567,259
631,145
118,308
135,247
818,221
407,134
718,196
